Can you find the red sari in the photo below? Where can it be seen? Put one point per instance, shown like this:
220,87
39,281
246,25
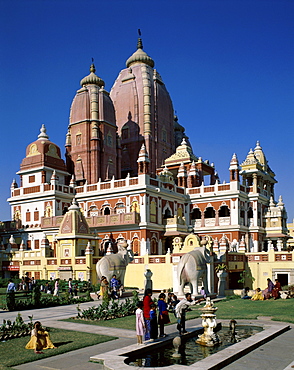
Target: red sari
276,290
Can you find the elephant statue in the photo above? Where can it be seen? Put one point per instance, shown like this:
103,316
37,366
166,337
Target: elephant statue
115,264
192,268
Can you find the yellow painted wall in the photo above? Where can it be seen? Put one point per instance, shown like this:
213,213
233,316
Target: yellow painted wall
162,277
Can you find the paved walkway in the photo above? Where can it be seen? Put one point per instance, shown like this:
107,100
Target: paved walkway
275,355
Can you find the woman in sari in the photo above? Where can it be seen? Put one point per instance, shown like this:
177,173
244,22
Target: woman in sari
39,339
258,296
276,290
104,288
268,291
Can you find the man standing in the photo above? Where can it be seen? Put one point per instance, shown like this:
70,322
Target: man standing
70,290
180,312
56,287
10,287
27,281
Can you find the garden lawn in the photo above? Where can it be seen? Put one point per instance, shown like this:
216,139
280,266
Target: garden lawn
13,351
280,309
237,308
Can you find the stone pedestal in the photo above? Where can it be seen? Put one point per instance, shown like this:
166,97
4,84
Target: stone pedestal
222,275
209,338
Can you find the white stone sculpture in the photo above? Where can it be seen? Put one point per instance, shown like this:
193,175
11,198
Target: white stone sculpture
148,282
192,269
209,338
115,264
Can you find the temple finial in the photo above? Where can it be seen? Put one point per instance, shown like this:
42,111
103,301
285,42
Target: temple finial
139,43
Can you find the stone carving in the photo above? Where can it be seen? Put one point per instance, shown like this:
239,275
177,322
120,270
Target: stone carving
177,341
115,264
209,338
148,282
192,268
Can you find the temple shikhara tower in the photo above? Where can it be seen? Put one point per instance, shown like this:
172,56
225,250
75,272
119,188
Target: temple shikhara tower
129,172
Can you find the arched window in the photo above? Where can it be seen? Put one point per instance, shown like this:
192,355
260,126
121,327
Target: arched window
224,211
153,246
167,214
106,211
250,213
153,211
196,214
209,213
136,246
135,206
93,211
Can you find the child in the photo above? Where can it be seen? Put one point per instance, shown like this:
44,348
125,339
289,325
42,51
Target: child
203,292
140,324
153,323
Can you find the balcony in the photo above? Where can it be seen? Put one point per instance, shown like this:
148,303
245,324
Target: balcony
132,218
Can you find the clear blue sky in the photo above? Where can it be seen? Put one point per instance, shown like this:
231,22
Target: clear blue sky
227,64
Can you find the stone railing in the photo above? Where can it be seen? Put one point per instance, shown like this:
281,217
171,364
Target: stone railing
107,185
43,188
176,220
114,219
223,221
54,221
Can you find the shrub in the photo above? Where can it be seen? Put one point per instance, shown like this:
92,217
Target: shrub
17,328
107,311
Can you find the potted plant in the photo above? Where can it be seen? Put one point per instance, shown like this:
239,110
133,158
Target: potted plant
222,267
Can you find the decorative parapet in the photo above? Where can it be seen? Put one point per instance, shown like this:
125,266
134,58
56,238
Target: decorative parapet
48,222
43,188
258,257
107,185
115,219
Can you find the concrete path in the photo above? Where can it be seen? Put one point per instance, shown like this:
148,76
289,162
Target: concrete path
275,355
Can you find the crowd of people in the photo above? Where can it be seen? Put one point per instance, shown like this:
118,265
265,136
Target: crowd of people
151,316
271,291
50,287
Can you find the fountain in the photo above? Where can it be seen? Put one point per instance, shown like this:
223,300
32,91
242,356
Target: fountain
209,338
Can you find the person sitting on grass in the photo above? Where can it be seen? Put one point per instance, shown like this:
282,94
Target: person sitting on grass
244,293
258,296
276,289
40,339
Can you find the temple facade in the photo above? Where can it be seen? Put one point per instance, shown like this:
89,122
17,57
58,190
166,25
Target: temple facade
130,173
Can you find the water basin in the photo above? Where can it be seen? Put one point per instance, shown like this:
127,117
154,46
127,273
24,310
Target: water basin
190,351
